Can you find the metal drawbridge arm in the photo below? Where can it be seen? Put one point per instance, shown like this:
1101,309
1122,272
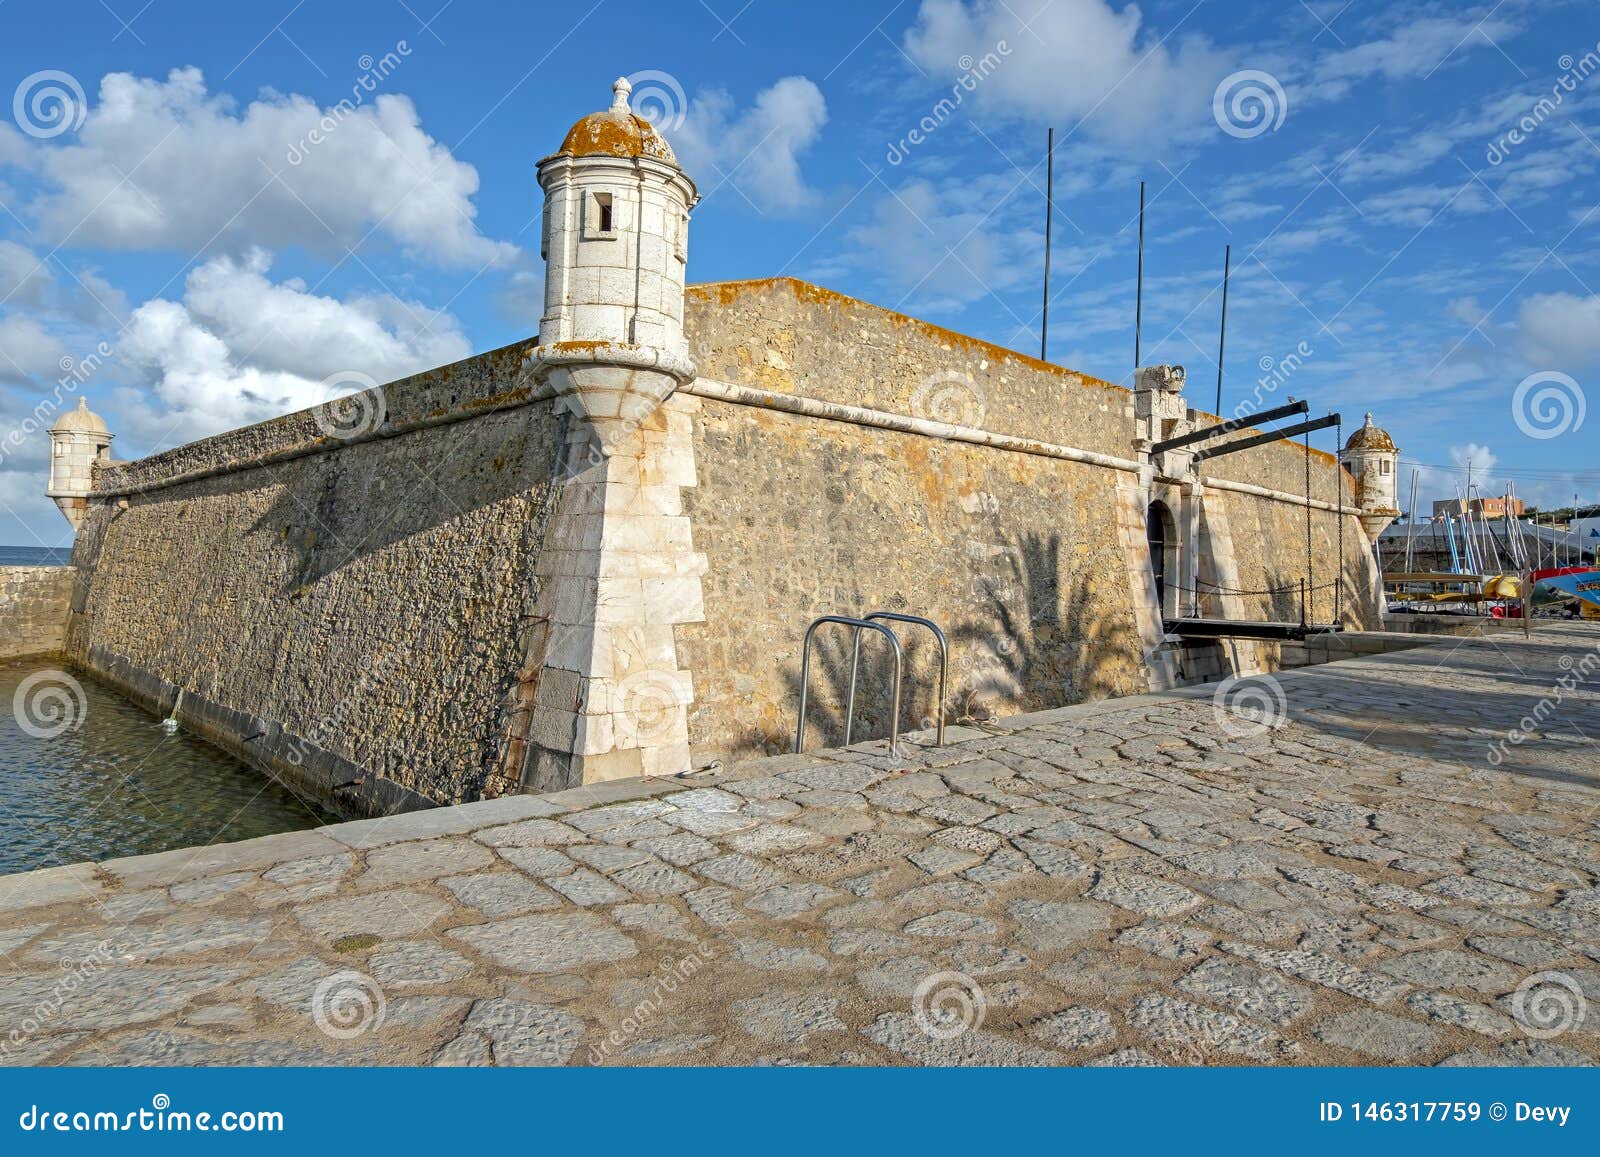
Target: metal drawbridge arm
1229,427
1272,436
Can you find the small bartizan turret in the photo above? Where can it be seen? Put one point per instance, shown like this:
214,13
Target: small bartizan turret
615,245
1373,460
78,440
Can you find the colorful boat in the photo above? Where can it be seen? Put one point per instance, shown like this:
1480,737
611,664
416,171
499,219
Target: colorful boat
1561,583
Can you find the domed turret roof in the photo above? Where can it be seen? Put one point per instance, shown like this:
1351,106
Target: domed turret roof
1370,437
80,421
616,132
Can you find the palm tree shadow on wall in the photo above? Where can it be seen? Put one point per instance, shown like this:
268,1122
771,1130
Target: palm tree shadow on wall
1037,638
1049,636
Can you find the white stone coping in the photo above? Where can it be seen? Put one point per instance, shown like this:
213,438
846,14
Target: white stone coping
902,423
1280,495
741,396
322,445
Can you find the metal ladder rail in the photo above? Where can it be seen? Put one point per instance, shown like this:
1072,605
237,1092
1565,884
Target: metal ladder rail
805,677
944,668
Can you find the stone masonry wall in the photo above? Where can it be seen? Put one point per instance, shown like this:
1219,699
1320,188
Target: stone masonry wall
33,609
795,338
1019,557
352,620
792,337
799,518
1269,543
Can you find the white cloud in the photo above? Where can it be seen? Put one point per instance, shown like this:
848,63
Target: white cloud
13,145
165,165
26,350
23,504
24,278
1075,60
241,348
1412,152
1417,206
1466,310
946,244
1332,230
95,301
1415,48
1445,481
1560,331
755,152
1480,458
27,282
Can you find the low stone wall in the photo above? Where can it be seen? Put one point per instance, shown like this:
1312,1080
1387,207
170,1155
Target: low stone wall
1441,624
1330,648
33,609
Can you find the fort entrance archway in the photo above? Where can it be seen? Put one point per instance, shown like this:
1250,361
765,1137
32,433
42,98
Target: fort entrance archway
1161,533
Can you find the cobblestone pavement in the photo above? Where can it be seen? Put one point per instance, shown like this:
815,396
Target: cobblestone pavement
1380,876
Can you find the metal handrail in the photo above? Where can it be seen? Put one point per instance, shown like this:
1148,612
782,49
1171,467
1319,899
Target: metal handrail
805,678
944,667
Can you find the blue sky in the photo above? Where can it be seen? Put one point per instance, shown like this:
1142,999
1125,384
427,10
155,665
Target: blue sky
1409,189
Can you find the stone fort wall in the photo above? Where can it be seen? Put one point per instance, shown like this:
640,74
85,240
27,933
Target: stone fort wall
1016,554
344,614
370,617
1005,551
33,610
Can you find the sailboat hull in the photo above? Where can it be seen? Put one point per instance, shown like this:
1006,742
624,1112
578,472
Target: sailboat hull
1570,582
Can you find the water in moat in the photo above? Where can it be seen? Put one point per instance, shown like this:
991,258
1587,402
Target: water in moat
86,775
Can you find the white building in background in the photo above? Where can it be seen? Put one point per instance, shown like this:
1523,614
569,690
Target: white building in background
1587,531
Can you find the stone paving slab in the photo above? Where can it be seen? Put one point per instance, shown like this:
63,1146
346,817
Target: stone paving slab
1394,859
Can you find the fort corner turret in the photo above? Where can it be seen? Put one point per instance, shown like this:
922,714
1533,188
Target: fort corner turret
615,244
1372,459
78,440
